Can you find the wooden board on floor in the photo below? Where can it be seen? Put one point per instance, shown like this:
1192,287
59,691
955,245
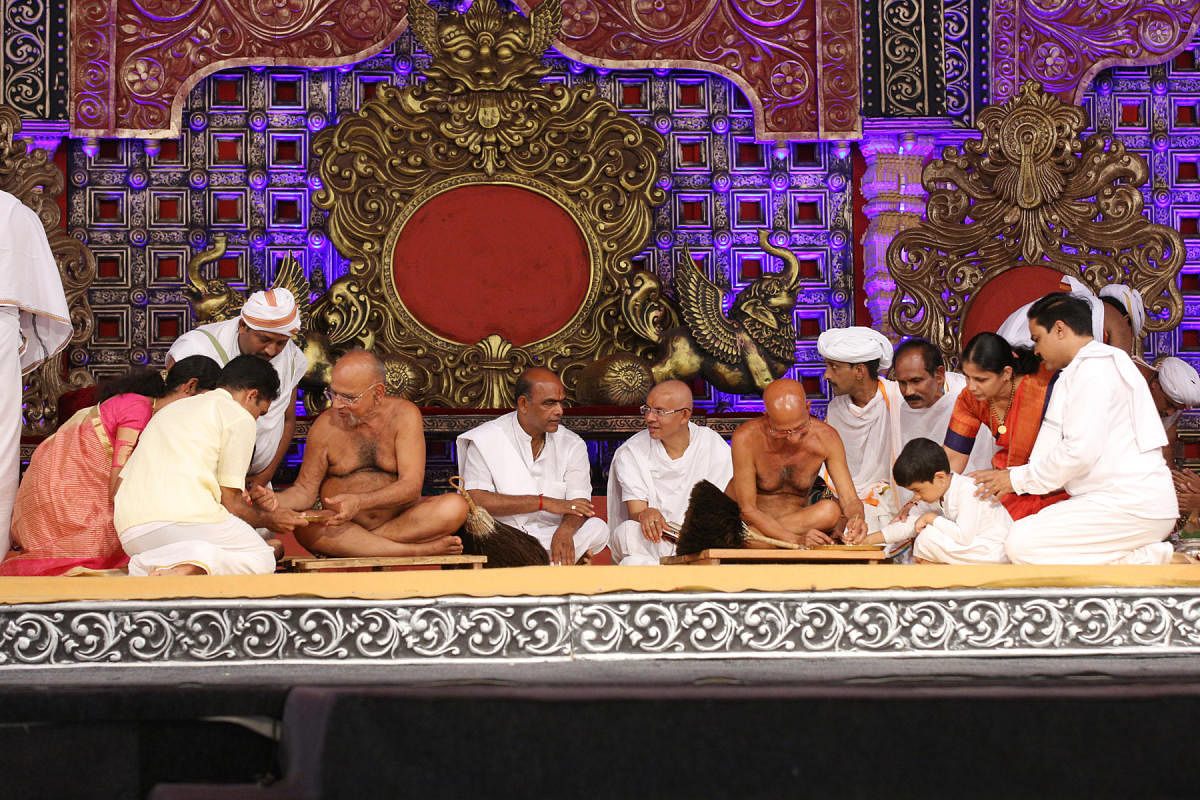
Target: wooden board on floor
821,555
299,564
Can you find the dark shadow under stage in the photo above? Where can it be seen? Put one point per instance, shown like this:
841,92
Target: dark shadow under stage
691,682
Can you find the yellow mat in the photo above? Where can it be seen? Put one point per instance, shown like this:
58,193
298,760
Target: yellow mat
552,581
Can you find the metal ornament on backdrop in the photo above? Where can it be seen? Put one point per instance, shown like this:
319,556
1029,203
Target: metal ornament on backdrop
1030,192
37,182
483,118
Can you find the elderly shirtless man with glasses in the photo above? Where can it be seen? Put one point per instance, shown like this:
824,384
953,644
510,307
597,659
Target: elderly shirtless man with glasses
776,459
365,460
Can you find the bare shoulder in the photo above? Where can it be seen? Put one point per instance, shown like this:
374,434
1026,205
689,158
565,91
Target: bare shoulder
748,432
403,413
824,435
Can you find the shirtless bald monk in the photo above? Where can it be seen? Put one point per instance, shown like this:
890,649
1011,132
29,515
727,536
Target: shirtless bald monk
776,458
365,459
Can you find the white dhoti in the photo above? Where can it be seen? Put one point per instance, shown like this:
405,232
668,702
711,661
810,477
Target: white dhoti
10,419
871,436
1081,531
643,470
230,547
591,536
631,548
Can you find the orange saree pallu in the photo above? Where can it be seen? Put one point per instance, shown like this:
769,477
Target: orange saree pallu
63,516
1014,446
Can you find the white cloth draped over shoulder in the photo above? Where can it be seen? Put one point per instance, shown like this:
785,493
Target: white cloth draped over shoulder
219,341
871,436
35,324
1015,329
931,423
1101,440
497,456
642,470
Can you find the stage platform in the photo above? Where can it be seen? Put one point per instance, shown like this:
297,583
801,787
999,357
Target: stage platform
604,614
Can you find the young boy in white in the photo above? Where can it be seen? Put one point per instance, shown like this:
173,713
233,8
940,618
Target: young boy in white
951,524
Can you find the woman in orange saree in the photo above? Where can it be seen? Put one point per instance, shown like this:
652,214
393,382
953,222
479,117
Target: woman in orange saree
1006,390
63,516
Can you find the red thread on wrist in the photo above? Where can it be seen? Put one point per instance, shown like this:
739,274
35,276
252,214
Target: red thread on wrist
539,502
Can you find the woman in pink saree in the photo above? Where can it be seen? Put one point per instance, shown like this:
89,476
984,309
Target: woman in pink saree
63,517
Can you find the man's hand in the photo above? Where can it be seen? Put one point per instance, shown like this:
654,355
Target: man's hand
580,506
345,507
856,530
263,497
1185,481
924,520
284,520
653,523
562,548
992,483
815,537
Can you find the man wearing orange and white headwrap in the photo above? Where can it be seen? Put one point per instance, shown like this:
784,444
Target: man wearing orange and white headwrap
265,328
865,411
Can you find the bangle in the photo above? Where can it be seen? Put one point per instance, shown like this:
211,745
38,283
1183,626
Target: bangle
540,503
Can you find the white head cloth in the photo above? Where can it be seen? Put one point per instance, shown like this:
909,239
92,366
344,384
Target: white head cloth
273,311
856,345
1180,381
1133,303
1015,329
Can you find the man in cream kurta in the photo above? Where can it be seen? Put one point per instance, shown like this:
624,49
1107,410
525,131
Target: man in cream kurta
264,328
1102,441
865,411
529,472
180,507
35,324
930,393
653,473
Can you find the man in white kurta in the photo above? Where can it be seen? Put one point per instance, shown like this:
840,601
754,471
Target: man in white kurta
528,471
653,473
865,411
35,324
1101,440
930,393
264,328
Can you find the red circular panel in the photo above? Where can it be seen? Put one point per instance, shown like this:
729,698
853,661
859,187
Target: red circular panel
489,259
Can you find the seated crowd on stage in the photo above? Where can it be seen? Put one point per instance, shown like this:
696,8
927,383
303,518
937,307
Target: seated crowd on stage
1051,446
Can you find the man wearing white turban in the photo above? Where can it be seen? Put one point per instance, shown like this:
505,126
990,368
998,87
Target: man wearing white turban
34,325
865,411
265,328
1175,387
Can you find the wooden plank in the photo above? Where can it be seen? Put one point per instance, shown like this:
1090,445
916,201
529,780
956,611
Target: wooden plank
296,564
823,555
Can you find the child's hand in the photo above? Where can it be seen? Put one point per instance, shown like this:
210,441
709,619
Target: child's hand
924,520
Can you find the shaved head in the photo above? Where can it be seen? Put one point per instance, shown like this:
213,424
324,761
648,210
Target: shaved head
363,363
786,407
670,394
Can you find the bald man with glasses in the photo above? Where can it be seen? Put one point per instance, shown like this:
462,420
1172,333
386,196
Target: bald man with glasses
776,461
365,460
653,474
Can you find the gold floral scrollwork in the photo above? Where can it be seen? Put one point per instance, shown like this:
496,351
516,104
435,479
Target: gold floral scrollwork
37,182
1030,192
482,116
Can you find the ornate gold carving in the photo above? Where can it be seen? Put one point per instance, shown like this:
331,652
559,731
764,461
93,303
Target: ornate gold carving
212,300
740,353
483,117
621,379
1029,191
36,182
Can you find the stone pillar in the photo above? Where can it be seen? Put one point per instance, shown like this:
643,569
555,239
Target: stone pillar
895,200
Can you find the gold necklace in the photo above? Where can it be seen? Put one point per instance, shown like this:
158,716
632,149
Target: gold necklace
1002,429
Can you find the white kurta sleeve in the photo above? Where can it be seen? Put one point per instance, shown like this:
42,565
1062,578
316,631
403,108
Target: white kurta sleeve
629,477
578,470
1083,420
953,530
475,471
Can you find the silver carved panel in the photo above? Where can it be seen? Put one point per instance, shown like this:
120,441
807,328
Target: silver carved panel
881,624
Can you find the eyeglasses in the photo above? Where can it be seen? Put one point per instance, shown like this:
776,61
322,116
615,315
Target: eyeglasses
348,399
771,429
659,412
